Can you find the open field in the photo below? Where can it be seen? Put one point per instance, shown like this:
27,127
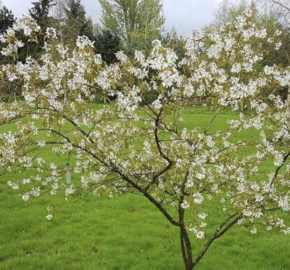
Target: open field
127,232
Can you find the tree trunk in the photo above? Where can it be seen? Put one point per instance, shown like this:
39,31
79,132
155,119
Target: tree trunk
186,248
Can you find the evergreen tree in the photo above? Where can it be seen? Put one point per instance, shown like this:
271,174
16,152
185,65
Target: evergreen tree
107,44
77,23
40,13
6,19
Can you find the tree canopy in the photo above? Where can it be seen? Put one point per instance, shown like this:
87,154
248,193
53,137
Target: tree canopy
136,22
133,145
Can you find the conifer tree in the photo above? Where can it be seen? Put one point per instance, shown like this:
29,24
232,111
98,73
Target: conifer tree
107,44
40,13
77,23
6,19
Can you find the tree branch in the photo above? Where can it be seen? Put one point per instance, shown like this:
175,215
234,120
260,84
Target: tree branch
218,233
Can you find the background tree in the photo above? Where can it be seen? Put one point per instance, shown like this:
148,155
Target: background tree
280,9
40,13
172,40
136,22
76,22
6,18
228,11
107,44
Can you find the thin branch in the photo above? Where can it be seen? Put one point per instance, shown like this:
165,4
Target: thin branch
212,120
218,233
280,4
279,168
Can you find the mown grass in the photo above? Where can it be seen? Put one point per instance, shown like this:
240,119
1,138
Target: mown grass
126,232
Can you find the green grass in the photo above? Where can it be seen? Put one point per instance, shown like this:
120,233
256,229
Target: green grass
126,232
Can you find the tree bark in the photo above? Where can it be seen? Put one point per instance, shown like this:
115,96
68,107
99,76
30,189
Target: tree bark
186,248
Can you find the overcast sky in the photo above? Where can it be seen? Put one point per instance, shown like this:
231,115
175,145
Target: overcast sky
183,15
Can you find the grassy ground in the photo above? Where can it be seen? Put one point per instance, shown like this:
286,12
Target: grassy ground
127,232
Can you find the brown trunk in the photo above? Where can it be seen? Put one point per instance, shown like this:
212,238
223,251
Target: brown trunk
186,248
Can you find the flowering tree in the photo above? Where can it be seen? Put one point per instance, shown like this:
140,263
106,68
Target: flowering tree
132,145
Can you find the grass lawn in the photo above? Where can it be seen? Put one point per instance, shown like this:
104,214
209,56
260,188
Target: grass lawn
127,232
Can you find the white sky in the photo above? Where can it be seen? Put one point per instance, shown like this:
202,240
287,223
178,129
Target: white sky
183,15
